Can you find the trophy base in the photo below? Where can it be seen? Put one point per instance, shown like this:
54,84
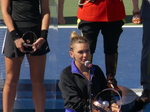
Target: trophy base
129,101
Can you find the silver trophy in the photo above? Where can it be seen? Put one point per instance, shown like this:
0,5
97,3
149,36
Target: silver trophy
103,104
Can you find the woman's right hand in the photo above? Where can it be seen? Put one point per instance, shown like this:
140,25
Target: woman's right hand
19,44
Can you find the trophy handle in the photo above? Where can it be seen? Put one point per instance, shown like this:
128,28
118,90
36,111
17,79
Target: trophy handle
29,37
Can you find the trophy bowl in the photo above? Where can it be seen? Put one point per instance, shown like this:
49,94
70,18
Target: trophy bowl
105,98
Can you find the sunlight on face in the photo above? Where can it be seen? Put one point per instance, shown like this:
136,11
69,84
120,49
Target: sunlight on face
80,53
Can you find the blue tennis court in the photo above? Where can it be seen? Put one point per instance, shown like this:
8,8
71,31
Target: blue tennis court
128,70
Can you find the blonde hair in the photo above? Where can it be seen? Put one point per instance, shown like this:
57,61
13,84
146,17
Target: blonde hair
75,38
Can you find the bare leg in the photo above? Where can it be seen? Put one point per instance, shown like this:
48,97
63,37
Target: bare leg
12,76
37,68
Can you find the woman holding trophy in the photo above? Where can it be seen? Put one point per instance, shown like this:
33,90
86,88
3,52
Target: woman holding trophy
26,20
81,81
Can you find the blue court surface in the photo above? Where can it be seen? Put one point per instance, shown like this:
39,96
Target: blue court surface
128,70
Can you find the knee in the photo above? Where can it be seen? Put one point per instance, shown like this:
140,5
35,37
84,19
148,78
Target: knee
37,83
11,84
111,50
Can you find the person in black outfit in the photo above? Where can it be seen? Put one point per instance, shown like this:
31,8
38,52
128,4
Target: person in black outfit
20,17
77,84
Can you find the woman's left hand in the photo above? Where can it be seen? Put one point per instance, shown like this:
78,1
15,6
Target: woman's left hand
115,107
37,45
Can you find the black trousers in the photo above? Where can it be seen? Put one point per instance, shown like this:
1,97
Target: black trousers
110,30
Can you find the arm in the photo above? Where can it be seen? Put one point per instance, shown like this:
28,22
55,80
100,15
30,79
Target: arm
61,19
70,93
136,12
45,13
135,6
5,5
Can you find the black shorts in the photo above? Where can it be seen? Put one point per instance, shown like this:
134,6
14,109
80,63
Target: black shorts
10,50
110,30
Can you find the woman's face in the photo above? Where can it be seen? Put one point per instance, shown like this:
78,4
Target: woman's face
80,53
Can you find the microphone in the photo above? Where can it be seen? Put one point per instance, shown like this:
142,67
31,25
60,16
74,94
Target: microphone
88,64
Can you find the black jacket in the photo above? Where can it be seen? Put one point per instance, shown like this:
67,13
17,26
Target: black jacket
74,88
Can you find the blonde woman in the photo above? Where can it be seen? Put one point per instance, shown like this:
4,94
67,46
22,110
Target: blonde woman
75,79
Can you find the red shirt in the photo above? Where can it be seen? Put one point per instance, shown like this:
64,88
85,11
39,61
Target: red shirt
102,11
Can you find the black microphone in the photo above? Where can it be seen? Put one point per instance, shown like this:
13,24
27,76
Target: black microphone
88,64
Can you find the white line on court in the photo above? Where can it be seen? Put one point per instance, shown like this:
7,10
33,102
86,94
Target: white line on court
74,26
124,26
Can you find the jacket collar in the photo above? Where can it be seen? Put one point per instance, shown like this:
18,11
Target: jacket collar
74,68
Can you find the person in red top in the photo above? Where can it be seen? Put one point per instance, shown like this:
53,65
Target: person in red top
105,16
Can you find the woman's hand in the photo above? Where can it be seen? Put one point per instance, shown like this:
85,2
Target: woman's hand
37,45
19,44
115,108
